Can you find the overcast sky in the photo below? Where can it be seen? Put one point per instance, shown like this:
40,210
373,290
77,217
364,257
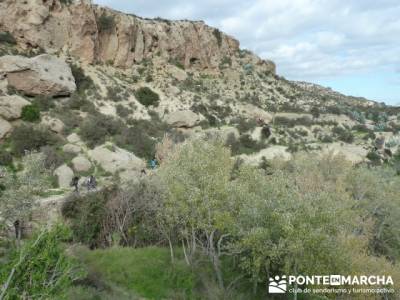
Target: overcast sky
352,46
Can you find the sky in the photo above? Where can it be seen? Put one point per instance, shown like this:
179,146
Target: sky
352,46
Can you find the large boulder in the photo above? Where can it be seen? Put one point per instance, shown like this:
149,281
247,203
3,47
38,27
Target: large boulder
113,159
81,164
55,125
182,118
41,75
71,148
64,175
270,153
11,106
5,128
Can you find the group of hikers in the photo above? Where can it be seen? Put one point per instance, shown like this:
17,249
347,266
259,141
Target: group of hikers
91,182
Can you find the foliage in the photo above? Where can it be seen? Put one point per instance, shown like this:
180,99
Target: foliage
43,103
6,37
218,36
40,269
140,273
105,23
82,81
98,127
142,136
147,97
343,134
21,189
30,113
30,138
86,213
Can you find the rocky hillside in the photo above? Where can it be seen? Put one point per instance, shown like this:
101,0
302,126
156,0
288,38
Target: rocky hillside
97,90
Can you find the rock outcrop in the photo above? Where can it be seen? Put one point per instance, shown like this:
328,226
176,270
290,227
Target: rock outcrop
64,175
5,128
81,164
182,118
11,106
44,75
94,33
113,159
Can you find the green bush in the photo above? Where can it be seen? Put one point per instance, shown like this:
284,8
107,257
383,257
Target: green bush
343,135
6,158
43,103
147,97
97,128
30,113
6,37
30,138
86,214
41,268
244,124
142,136
82,81
105,23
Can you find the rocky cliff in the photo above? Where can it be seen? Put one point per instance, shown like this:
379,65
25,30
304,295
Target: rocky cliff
98,34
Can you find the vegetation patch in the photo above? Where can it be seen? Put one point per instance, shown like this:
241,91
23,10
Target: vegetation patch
147,97
30,113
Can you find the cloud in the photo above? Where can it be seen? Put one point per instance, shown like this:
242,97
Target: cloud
308,39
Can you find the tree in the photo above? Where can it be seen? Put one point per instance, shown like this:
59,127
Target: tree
198,206
22,189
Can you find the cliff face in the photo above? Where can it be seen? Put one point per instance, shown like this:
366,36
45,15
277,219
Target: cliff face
97,34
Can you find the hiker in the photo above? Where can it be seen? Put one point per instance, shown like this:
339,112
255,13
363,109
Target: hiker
75,183
153,163
17,228
91,183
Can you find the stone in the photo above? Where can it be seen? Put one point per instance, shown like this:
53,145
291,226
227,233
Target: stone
177,73
270,153
182,118
113,159
44,75
11,106
71,148
73,138
81,164
64,176
5,128
53,124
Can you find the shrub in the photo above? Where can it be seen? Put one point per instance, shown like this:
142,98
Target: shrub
6,37
97,128
142,137
122,111
86,214
29,138
244,125
343,135
105,23
79,102
147,97
82,81
30,113
374,157
41,267
6,158
43,103
218,35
